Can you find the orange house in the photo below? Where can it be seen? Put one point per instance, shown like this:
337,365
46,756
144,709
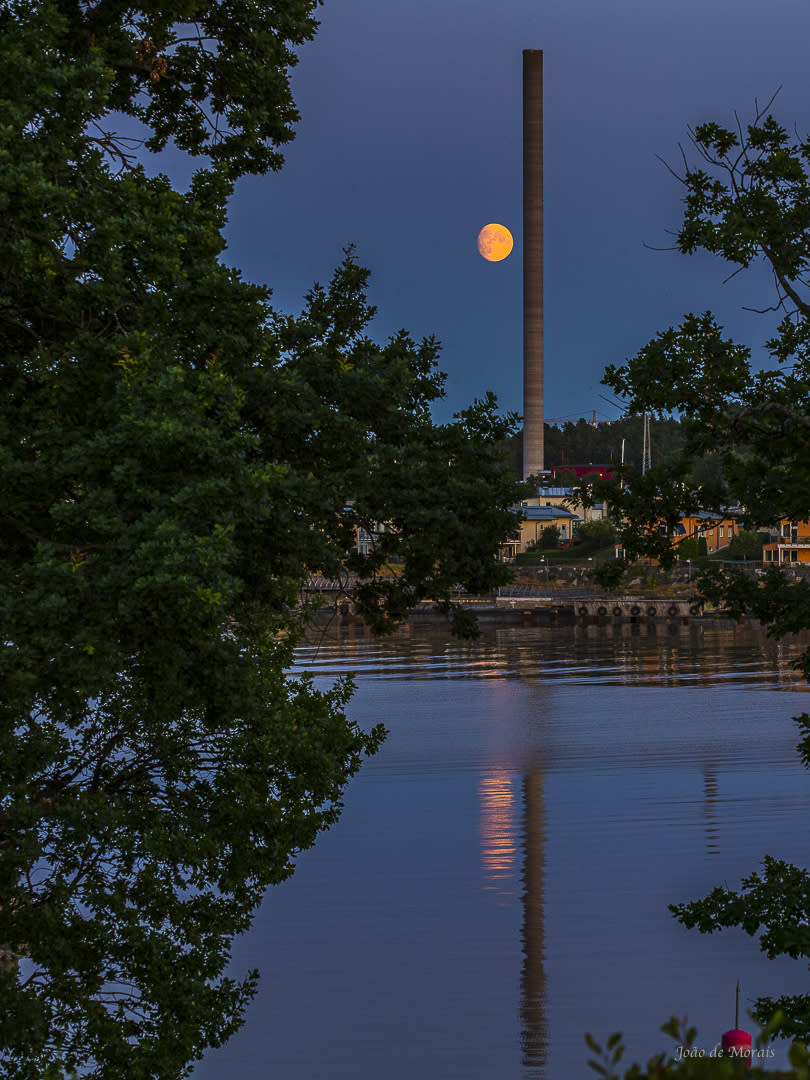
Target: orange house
718,531
791,544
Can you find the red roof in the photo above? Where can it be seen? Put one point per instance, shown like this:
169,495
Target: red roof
606,472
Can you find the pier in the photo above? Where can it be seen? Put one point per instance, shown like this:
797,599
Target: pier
610,607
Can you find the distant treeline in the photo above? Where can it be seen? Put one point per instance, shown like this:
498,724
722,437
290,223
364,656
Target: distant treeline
583,443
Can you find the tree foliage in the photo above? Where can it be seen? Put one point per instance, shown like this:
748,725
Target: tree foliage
176,458
747,199
693,547
580,442
747,544
601,531
550,537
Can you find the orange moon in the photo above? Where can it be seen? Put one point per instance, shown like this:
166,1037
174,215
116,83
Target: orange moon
494,242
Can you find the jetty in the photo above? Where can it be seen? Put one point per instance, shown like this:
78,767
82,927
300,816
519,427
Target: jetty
533,600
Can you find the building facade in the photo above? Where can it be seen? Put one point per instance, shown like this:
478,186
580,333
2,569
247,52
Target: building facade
789,543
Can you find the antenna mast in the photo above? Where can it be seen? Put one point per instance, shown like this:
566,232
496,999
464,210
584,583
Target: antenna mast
646,449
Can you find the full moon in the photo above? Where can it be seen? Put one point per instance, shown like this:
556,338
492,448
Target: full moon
494,242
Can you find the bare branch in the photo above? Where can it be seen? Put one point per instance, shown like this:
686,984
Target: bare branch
766,310
120,147
651,247
669,168
733,274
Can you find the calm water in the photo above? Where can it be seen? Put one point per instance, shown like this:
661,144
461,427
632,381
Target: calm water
499,880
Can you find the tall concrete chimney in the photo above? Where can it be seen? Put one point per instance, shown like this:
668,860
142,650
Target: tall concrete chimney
533,419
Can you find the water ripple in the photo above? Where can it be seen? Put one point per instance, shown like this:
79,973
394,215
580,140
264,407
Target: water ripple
626,655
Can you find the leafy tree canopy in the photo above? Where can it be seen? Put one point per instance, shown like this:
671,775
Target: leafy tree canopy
550,536
211,77
693,547
581,443
747,545
176,458
747,199
601,531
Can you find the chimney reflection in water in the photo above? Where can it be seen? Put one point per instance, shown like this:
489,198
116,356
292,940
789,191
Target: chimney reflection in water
533,1026
712,829
499,853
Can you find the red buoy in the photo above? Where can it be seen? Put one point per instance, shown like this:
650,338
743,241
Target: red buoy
737,1044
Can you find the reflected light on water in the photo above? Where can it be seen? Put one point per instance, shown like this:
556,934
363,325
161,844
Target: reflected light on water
499,839
621,653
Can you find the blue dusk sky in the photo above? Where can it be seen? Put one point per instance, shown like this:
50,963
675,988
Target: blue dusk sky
410,141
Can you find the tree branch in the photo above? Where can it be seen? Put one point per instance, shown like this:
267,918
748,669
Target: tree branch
38,538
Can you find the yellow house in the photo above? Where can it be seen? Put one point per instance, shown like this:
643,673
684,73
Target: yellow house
535,519
790,545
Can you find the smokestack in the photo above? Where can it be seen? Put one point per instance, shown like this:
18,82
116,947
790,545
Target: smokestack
532,262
